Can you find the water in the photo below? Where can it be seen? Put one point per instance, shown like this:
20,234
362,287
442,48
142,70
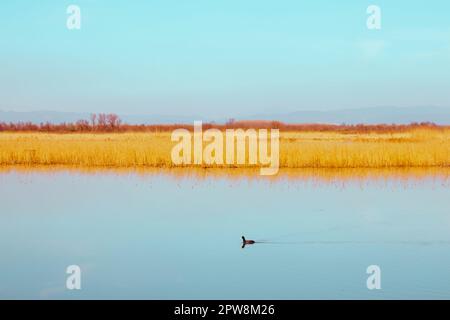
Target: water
160,235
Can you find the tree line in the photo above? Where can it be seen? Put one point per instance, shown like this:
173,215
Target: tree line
110,122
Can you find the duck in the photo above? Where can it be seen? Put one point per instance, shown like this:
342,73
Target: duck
244,241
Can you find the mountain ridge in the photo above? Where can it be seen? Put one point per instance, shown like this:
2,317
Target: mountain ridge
370,115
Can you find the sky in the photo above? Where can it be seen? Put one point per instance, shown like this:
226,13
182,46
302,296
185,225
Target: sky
222,57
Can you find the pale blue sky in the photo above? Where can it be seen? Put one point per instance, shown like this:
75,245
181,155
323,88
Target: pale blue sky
224,57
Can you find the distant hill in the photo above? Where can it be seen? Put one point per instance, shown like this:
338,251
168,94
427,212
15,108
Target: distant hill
388,115
60,117
41,116
373,115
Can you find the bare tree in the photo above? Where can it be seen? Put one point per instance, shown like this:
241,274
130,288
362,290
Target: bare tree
93,119
113,120
101,120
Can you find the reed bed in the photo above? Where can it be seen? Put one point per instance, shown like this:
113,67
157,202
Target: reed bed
422,147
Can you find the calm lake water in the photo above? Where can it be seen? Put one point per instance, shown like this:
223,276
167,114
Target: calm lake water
172,236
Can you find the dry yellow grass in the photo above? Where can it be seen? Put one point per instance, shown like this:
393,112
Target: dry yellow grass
418,148
415,148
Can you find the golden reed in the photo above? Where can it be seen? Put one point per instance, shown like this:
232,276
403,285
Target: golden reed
421,147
